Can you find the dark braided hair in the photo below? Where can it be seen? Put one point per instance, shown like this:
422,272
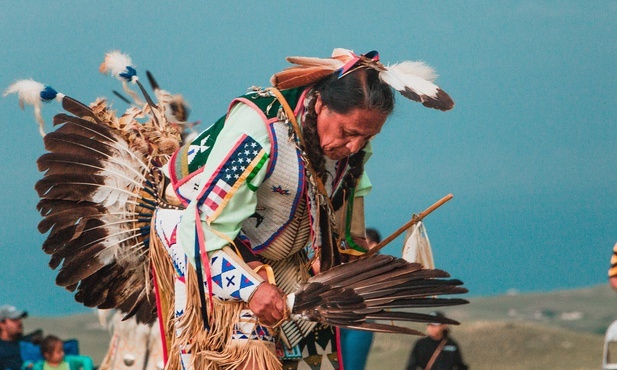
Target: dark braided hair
361,89
313,149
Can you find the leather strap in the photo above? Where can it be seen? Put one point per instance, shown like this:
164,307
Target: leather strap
435,354
328,224
292,118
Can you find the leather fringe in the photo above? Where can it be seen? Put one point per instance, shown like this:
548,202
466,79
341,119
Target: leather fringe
213,349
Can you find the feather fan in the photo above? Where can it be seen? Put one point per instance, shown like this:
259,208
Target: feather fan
355,294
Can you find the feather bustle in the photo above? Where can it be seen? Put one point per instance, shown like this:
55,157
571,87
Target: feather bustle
78,203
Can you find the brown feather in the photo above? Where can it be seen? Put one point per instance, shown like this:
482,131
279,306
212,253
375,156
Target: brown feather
69,186
416,290
299,76
54,262
383,328
82,127
343,272
396,279
77,145
72,273
58,163
66,218
442,102
94,289
63,242
79,109
48,206
325,63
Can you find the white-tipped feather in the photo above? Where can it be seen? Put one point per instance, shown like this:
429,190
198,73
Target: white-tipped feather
115,63
414,81
29,92
419,69
401,81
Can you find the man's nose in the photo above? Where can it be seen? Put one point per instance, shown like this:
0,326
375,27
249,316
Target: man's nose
354,145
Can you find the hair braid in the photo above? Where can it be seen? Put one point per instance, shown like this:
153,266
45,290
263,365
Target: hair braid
313,150
356,168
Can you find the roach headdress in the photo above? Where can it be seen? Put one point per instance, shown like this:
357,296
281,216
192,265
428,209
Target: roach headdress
414,80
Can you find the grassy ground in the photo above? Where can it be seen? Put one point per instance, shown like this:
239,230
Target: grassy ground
502,345
560,330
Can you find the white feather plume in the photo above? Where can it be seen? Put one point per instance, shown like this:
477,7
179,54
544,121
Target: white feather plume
115,63
29,92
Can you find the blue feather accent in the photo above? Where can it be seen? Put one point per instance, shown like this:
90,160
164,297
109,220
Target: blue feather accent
48,94
129,74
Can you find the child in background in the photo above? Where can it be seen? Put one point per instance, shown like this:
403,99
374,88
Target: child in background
53,353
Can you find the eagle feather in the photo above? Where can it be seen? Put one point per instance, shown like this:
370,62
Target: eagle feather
371,288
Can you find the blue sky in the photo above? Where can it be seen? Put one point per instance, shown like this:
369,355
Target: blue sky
528,152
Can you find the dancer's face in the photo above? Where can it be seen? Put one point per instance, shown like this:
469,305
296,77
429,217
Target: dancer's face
341,135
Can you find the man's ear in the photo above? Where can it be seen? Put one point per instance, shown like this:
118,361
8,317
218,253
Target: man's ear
318,104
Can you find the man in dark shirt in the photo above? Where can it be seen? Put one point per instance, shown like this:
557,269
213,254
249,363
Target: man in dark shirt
11,331
437,351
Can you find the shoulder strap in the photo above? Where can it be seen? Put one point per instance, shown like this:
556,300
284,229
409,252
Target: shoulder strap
292,118
436,354
328,255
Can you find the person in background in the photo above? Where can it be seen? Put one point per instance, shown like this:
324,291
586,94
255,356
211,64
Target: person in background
52,349
437,351
612,272
11,331
356,344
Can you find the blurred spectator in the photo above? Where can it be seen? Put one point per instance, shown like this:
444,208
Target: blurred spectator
612,272
11,331
437,351
356,344
52,349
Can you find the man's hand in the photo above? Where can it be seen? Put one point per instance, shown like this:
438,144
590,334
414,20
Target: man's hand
268,303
